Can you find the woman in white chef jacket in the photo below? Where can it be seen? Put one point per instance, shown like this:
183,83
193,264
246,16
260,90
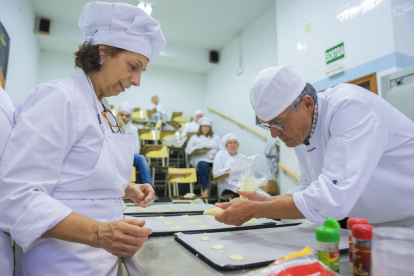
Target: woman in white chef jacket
205,138
193,126
159,107
67,166
6,125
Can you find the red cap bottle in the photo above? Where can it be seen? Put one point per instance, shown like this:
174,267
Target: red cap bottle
361,249
351,222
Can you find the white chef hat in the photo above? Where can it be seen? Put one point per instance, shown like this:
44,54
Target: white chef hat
122,25
205,121
274,89
125,106
198,111
226,138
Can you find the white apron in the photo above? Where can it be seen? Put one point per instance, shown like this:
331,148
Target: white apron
56,257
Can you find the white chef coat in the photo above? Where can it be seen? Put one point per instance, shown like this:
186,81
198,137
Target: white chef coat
221,164
6,125
190,127
60,159
199,142
130,129
359,162
159,107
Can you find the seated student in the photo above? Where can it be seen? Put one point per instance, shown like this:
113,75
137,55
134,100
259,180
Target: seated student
222,161
140,162
159,107
205,138
194,125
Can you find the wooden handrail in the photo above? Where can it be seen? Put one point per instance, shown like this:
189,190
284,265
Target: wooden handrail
240,124
289,172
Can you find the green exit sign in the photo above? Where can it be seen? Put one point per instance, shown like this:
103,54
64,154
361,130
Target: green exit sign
335,53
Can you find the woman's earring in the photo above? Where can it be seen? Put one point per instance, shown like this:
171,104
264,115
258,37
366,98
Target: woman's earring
101,60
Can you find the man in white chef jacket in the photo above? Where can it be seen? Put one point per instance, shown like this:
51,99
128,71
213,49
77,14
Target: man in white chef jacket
355,151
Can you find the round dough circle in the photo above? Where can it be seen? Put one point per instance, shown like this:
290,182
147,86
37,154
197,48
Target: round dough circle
193,221
161,217
205,238
236,258
203,226
217,247
185,216
169,222
175,228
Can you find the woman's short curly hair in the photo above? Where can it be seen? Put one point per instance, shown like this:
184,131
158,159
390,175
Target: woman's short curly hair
87,57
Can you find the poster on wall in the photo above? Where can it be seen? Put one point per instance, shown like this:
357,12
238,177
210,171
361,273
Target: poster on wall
4,55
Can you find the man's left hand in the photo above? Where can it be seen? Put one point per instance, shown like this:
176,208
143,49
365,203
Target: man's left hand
143,195
236,212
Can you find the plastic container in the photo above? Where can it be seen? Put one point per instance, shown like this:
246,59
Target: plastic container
392,251
351,222
327,243
361,249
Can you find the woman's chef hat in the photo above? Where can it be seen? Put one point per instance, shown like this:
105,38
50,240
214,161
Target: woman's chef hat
273,90
126,107
123,26
205,121
226,138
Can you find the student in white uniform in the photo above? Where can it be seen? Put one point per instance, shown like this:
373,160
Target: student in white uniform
193,126
159,107
205,138
355,151
66,166
140,162
6,125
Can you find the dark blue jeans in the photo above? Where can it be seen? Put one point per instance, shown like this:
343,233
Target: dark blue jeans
140,162
203,173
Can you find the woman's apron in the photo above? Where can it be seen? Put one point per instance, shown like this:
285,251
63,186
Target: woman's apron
54,257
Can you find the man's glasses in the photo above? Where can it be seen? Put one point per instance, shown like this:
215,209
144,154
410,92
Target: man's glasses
278,126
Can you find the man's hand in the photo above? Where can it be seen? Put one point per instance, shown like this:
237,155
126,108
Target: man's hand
122,238
236,212
143,195
254,196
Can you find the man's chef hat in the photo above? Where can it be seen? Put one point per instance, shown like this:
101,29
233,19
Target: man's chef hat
123,26
205,121
198,111
226,138
126,107
273,90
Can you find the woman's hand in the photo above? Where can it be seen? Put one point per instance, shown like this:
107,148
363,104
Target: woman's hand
254,196
121,123
236,212
122,238
143,195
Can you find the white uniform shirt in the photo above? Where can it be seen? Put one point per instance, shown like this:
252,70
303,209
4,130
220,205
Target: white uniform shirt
190,127
130,129
199,142
360,161
6,125
64,146
159,107
221,164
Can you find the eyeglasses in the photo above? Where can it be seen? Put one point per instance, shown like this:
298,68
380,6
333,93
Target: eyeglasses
278,126
104,113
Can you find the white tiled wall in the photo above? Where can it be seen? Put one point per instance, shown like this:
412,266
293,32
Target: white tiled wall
403,26
370,29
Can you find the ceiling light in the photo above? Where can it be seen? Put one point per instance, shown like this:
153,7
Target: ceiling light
146,7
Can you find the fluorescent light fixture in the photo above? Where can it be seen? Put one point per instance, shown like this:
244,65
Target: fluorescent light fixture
146,7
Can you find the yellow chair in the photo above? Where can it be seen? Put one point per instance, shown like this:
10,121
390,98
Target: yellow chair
175,114
165,134
181,176
148,135
216,180
183,126
136,109
150,112
139,115
158,125
134,175
180,119
175,125
159,153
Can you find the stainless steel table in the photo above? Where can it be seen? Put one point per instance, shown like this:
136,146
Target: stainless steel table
164,256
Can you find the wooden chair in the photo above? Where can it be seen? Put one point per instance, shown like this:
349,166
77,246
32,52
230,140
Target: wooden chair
150,112
134,175
136,109
181,176
226,197
272,188
139,115
158,125
146,135
190,134
159,153
165,134
180,119
175,125
175,114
